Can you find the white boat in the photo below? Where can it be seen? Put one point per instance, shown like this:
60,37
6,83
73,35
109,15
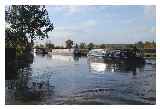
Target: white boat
96,53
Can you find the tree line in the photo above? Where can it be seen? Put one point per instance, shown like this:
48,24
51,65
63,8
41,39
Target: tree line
71,44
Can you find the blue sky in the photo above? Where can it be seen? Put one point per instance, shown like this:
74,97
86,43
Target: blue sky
102,24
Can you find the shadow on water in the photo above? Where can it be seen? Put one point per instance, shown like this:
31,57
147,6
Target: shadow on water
19,84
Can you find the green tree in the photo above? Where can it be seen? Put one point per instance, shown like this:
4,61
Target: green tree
102,46
49,46
28,22
59,47
41,46
140,45
83,45
91,46
69,44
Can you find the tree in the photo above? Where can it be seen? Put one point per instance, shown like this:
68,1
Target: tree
49,46
140,45
59,47
102,46
28,22
91,46
82,45
69,44
149,45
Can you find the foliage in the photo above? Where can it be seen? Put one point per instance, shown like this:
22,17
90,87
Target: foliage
59,47
149,45
49,46
102,46
91,46
69,44
26,22
83,45
12,41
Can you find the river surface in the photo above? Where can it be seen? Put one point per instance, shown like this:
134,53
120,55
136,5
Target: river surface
56,79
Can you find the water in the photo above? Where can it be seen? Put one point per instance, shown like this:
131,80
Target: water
59,79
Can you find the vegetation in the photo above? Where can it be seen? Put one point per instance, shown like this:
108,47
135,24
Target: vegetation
25,23
69,44
149,45
49,46
82,45
59,47
102,46
91,46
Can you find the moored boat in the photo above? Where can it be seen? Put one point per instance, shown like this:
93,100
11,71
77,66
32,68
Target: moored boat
117,55
97,53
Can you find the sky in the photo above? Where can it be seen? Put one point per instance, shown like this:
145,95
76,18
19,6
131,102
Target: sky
110,24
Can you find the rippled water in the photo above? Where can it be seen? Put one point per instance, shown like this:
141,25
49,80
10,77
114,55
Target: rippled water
59,79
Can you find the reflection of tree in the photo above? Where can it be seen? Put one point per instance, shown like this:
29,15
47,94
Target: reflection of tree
26,87
29,88
76,58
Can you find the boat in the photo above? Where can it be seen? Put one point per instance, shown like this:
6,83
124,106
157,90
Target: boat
96,53
116,55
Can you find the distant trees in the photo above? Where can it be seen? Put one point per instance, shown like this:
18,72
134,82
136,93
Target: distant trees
82,45
91,46
149,45
140,45
39,46
59,47
102,46
49,46
69,44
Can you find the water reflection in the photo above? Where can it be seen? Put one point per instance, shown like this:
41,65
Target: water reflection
26,87
63,58
97,67
56,79
100,66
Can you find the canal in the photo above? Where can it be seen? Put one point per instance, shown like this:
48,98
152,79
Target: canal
56,79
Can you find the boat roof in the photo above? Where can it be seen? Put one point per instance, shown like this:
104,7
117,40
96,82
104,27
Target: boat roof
97,50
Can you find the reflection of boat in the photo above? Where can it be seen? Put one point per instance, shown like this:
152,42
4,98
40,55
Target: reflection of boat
98,67
101,66
63,58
